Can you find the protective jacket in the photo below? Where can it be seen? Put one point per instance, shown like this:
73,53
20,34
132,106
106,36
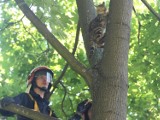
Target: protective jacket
33,101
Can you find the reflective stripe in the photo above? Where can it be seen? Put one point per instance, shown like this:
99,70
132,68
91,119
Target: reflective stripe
36,108
50,113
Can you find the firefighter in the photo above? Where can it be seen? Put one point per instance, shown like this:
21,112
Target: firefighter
38,84
83,111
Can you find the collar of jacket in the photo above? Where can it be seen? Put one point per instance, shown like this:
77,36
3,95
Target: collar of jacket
38,98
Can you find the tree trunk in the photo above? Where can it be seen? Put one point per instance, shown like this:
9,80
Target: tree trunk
110,89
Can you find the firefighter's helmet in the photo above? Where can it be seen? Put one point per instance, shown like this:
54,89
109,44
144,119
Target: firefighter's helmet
36,72
84,106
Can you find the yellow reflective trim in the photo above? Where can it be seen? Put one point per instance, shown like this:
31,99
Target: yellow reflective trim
50,113
36,108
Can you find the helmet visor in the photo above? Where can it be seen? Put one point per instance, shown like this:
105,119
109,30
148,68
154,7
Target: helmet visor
43,73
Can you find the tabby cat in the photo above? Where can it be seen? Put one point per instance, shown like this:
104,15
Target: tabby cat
97,28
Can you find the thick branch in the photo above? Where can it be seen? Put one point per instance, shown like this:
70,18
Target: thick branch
151,9
20,110
75,65
86,13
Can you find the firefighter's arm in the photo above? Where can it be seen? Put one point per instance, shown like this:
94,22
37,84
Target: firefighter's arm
5,102
75,117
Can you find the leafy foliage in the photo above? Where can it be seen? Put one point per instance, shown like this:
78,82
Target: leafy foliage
22,48
144,97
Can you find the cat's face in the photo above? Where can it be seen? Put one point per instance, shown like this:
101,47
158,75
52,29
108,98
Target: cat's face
101,9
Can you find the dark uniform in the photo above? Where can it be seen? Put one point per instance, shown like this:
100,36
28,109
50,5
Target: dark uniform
29,101
82,109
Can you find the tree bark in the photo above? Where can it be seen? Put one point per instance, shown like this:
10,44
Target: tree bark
17,109
110,89
86,13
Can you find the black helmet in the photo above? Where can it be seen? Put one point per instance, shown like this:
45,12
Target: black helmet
84,106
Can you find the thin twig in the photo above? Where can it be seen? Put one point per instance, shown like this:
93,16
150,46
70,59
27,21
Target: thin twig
139,24
71,103
4,1
12,23
65,93
9,24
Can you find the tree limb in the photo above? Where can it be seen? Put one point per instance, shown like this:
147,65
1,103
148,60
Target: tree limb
75,65
151,9
29,113
86,13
